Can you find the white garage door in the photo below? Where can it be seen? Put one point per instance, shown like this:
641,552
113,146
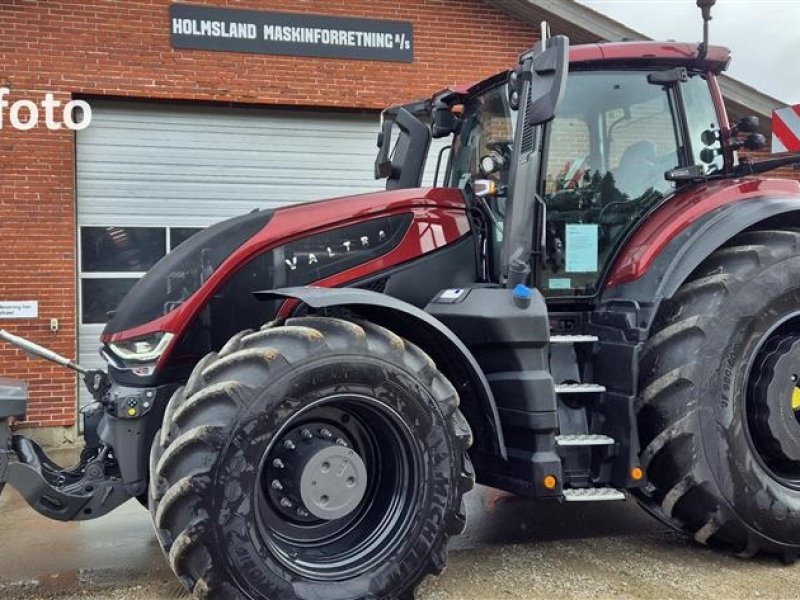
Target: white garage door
148,176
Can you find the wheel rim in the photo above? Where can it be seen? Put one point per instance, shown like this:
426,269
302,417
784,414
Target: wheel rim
773,403
348,473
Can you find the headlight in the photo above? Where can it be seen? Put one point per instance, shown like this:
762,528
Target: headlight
142,349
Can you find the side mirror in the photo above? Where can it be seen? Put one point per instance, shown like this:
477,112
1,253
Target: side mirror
754,141
748,124
444,121
545,71
550,69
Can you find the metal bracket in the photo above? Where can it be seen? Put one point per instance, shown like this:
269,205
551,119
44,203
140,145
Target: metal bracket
84,492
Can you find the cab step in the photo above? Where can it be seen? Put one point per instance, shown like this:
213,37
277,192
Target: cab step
601,494
584,439
579,388
573,339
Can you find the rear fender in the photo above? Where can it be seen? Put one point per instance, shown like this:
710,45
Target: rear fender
686,251
450,354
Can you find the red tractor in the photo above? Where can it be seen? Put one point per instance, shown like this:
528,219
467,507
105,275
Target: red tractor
599,300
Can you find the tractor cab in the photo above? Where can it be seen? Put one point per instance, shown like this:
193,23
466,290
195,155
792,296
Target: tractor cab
631,118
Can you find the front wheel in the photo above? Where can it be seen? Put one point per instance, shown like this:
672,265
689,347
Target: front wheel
318,459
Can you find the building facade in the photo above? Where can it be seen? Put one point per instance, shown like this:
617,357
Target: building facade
182,136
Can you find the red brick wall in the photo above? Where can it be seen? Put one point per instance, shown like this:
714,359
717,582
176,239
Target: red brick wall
122,48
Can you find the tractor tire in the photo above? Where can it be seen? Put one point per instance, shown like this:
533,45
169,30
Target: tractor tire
719,436
316,459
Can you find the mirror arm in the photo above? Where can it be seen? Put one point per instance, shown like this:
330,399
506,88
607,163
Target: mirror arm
750,167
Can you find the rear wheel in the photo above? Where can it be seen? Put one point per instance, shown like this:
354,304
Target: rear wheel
319,459
717,414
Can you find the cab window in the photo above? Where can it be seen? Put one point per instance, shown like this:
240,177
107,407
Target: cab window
613,139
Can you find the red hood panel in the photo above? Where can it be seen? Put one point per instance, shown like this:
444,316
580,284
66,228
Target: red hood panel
440,214
304,218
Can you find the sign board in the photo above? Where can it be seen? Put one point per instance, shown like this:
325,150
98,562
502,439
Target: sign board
292,34
786,129
19,309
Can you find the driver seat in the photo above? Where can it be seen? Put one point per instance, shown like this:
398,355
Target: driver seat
635,168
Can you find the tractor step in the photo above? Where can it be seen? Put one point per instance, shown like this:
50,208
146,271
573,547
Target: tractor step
579,388
573,339
593,494
584,440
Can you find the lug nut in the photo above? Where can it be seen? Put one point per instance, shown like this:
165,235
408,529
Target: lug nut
302,511
325,433
289,445
276,485
286,503
307,435
278,463
341,442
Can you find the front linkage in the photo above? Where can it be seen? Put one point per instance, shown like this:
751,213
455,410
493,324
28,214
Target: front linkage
88,490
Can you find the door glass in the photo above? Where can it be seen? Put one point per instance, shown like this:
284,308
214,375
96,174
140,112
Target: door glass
701,116
613,139
488,127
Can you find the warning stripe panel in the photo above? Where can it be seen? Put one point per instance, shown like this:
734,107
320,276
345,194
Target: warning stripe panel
786,129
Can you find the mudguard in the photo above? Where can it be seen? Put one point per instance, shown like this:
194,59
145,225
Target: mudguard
686,251
390,312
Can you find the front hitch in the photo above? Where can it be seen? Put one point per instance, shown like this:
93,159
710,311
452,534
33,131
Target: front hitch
88,490
82,492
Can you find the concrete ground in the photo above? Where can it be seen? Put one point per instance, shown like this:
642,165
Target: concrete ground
512,548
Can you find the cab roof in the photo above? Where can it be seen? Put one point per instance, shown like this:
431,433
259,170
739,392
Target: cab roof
652,53
642,54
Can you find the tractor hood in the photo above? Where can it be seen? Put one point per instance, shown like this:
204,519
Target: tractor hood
179,285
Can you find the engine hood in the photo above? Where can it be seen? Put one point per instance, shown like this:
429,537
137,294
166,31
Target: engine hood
179,284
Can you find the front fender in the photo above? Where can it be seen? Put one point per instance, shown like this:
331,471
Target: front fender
448,351
686,251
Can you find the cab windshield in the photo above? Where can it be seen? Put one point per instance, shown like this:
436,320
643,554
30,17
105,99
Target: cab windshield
613,139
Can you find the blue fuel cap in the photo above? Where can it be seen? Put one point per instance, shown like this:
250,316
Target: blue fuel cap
523,291
522,295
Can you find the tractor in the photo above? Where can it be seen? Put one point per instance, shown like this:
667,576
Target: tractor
598,299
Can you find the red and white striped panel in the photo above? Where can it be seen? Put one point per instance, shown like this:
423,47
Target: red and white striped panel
786,129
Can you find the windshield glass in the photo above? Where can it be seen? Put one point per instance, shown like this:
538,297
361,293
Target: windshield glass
613,139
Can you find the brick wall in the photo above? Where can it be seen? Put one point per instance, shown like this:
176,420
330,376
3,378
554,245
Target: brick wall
122,48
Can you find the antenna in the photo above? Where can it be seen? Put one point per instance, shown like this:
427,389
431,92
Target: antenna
705,10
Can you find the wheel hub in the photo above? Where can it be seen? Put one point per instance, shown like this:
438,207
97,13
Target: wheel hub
775,398
333,482
315,473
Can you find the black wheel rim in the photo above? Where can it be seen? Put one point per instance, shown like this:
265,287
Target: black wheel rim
352,544
773,402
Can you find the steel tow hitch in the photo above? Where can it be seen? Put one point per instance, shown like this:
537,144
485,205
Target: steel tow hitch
91,488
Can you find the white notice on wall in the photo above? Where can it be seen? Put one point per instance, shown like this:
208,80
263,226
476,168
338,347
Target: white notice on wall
19,309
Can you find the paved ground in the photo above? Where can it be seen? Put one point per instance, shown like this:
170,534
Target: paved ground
513,548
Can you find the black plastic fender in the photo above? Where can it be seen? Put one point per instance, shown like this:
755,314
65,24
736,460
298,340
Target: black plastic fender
419,327
696,243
